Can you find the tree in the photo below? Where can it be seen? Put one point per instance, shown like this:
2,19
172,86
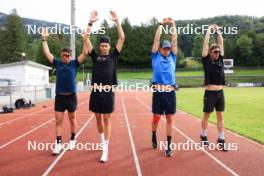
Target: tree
181,63
258,51
197,46
56,43
229,48
243,51
13,39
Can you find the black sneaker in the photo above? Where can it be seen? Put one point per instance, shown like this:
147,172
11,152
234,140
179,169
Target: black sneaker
168,153
221,143
204,140
154,141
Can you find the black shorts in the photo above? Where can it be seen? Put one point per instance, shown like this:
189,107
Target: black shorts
214,99
66,102
102,102
164,102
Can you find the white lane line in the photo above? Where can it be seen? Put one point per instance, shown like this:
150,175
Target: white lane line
139,173
202,149
30,131
24,116
45,114
64,151
229,131
21,136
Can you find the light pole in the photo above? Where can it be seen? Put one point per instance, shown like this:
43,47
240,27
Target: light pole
73,28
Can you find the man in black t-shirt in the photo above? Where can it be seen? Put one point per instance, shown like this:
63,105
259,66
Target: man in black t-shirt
214,79
103,78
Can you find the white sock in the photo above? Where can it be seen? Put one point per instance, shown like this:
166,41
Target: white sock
102,139
204,133
106,144
221,135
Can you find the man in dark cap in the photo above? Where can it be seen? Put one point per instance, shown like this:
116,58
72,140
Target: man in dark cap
103,78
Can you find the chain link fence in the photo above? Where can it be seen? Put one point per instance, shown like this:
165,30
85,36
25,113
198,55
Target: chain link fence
34,94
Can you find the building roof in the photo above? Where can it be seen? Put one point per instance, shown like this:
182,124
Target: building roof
27,62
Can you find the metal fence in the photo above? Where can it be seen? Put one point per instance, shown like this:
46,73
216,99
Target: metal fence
9,94
35,94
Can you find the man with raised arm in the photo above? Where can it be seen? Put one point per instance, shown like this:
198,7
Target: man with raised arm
214,80
66,99
163,80
104,77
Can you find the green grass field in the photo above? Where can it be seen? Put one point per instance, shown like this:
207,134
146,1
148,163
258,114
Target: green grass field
244,109
182,81
148,75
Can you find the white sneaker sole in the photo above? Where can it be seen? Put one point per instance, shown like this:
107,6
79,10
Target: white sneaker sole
70,149
57,153
104,160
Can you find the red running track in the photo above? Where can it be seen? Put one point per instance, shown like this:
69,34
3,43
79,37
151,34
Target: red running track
130,146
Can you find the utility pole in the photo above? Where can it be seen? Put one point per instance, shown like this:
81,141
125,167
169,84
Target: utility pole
73,28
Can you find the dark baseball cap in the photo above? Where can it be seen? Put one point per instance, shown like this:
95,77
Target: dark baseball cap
104,39
165,44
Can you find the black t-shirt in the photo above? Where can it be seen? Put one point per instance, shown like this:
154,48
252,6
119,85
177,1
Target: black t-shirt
213,71
104,68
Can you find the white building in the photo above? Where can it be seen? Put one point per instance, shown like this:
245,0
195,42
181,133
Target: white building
25,79
25,73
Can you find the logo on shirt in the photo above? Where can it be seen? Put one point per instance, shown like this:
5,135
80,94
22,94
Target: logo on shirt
102,59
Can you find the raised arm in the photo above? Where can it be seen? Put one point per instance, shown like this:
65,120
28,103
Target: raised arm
121,35
156,41
206,41
173,36
45,46
85,50
220,41
93,18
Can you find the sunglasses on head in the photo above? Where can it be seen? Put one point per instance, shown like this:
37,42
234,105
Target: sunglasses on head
216,52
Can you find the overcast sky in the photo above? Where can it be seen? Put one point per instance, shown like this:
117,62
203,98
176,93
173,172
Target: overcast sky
136,10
